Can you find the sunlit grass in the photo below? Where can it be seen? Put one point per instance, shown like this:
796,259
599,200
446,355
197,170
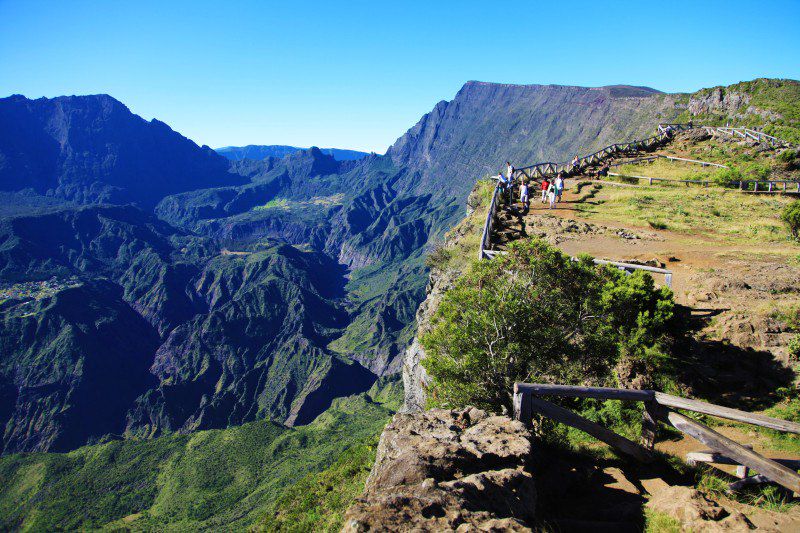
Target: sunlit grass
713,212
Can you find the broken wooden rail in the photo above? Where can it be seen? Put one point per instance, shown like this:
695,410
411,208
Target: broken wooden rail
661,407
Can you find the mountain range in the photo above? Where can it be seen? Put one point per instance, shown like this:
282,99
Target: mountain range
209,290
258,152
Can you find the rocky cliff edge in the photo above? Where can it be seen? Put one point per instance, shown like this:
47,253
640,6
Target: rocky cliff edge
462,470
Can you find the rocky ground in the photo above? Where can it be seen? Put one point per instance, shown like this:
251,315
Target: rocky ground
466,470
442,470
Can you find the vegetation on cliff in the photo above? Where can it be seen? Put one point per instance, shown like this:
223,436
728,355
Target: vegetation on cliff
215,479
536,315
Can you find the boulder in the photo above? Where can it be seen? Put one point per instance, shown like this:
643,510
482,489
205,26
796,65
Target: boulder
461,470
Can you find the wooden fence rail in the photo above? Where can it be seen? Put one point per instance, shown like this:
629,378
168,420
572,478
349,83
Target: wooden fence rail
661,407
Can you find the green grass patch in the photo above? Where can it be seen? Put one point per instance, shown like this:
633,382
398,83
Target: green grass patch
655,522
275,203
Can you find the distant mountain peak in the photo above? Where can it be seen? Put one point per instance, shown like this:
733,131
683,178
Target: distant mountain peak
258,152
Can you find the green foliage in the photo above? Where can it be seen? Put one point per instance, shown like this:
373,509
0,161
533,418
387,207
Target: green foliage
318,501
536,315
789,409
727,177
438,257
656,522
790,159
769,497
791,215
275,203
794,348
216,479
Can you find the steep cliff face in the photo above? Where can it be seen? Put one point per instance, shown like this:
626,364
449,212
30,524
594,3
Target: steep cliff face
487,124
91,149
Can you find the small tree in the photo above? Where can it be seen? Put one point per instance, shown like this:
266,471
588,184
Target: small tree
791,215
536,315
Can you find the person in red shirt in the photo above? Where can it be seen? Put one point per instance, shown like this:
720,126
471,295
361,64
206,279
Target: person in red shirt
545,185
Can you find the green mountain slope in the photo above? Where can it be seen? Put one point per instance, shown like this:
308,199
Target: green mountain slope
216,479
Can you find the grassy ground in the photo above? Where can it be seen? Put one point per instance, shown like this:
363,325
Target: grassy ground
715,212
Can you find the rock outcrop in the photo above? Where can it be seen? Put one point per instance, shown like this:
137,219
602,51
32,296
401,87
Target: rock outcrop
459,470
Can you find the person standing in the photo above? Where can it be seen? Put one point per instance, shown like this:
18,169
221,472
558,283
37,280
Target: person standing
509,171
559,186
545,185
501,183
551,195
523,196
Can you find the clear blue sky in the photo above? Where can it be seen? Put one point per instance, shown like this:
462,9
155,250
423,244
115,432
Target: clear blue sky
358,74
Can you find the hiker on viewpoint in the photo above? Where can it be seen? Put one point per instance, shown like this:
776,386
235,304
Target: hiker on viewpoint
509,171
523,196
545,185
559,183
551,195
502,183
575,162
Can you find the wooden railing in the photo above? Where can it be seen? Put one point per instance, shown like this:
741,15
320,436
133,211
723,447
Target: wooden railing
747,134
630,267
730,131
752,186
541,170
770,186
485,248
660,407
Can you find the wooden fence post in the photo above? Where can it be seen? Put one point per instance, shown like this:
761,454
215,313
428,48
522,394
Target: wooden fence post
522,406
650,418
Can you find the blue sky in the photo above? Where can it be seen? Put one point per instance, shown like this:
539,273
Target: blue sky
358,74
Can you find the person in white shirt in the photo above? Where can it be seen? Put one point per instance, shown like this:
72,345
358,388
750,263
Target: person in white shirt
551,195
509,171
523,196
559,183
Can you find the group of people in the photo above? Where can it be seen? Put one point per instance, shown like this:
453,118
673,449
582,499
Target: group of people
552,190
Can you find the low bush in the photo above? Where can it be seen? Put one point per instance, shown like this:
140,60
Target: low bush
791,215
438,257
727,177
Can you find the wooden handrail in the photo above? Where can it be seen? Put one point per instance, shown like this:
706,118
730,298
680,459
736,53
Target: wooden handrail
570,391
697,406
660,406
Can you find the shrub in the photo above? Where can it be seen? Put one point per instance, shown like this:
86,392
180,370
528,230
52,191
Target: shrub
727,177
791,215
438,257
794,348
536,315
